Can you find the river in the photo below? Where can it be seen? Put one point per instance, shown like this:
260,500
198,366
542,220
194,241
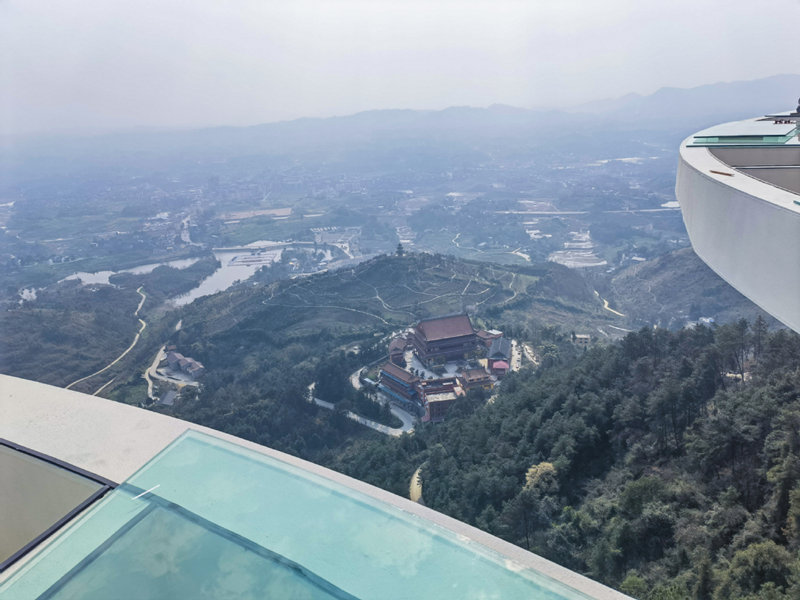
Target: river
234,266
102,277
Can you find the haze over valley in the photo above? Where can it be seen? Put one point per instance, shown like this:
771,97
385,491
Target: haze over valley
617,407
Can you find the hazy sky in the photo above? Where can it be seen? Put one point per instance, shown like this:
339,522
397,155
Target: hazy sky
100,64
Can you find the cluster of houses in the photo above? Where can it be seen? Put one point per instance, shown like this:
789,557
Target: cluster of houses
465,358
178,362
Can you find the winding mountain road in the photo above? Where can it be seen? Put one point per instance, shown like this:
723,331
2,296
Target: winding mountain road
142,326
408,421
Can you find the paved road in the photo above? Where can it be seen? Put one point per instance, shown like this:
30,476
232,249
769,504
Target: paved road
408,425
142,326
152,374
605,305
104,386
516,356
406,417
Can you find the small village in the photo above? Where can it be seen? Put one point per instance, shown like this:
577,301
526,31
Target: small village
434,363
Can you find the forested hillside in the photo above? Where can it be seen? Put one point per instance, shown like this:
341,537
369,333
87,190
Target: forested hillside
666,464
647,464
675,288
263,345
72,330
69,332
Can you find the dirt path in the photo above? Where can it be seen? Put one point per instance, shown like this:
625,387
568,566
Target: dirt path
605,305
142,326
355,310
382,301
518,252
511,288
454,241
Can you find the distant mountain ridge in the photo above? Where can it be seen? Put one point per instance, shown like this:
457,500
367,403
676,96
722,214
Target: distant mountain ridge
666,108
713,102
663,109
669,114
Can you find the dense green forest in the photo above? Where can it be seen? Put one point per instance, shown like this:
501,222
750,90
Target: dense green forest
647,464
70,331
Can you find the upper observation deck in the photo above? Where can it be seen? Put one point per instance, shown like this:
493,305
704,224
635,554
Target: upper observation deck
739,189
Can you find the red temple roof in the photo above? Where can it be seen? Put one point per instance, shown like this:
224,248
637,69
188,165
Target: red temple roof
445,327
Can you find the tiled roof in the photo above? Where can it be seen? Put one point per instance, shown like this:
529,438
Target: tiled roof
441,397
445,327
488,335
399,373
398,344
474,375
501,348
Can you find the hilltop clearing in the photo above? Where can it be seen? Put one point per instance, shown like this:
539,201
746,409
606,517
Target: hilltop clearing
390,292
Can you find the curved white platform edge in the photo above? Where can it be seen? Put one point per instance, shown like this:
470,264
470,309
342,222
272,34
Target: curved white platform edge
114,440
746,230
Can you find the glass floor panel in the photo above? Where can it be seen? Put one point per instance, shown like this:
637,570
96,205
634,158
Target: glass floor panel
37,495
164,554
210,519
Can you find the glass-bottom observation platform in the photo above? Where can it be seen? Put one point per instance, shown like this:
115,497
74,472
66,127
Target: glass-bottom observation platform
38,495
209,516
